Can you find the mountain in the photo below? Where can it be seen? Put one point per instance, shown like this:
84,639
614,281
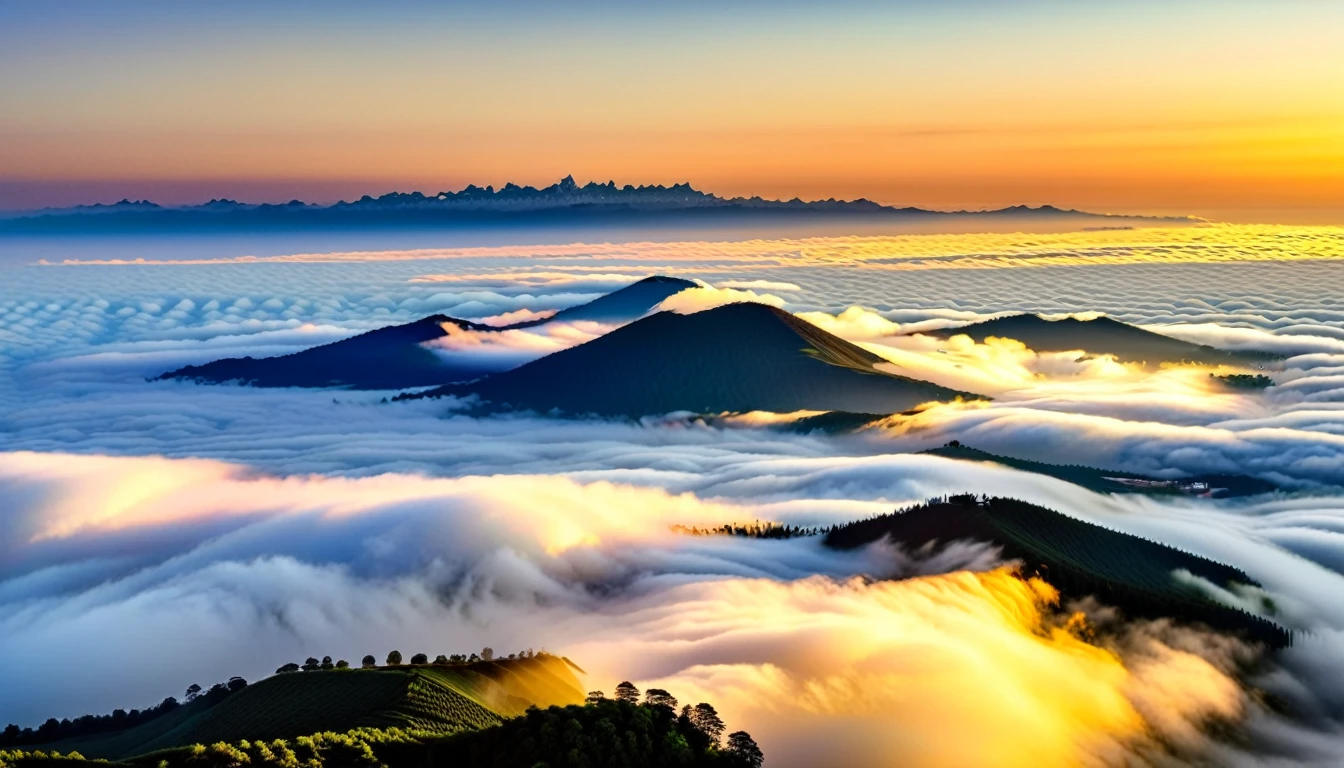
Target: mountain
1116,481
562,202
1101,336
435,698
1078,558
738,357
622,306
394,358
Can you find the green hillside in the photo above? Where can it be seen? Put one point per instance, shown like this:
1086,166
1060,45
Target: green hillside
431,698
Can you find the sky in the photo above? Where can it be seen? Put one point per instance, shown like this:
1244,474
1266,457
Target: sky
1231,110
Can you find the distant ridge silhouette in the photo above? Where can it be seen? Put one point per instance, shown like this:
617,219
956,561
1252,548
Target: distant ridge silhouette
564,201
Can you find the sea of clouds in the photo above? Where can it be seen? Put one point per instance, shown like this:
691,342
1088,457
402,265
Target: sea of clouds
156,534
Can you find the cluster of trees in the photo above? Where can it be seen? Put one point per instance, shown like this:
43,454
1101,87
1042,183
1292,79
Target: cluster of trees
700,722
395,659
756,530
606,733
120,719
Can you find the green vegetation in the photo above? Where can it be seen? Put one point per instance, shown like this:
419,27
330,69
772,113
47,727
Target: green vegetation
1244,380
756,530
604,732
467,693
1078,558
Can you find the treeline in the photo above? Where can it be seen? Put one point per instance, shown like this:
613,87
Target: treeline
394,659
756,530
603,733
1078,558
120,719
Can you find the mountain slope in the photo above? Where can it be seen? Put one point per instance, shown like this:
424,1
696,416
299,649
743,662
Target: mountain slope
1101,336
1113,481
738,357
1078,558
393,358
440,699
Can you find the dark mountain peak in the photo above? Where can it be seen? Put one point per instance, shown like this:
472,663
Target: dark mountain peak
568,184
393,357
734,358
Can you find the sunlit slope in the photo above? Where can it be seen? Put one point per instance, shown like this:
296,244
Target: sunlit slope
394,358
440,699
1101,336
1079,558
738,357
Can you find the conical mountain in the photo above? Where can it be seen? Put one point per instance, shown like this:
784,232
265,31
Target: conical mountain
738,357
394,358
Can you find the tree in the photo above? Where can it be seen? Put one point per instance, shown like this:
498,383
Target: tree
595,697
311,664
290,667
394,658
342,664
193,691
326,663
743,747
706,718
657,697
369,662
440,659
627,692
487,653
237,683
419,658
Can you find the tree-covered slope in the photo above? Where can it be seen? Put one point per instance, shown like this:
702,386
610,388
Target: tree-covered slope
425,698
1078,558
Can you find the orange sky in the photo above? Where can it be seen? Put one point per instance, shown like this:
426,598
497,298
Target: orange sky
1232,110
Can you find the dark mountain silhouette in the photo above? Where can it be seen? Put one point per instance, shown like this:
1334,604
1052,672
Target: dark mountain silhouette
1076,557
563,202
738,357
1116,481
621,306
1102,336
394,358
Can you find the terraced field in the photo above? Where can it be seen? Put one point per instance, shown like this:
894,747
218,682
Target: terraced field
439,699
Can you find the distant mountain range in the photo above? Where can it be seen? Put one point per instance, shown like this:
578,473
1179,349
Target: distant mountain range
1102,336
395,357
564,201
737,357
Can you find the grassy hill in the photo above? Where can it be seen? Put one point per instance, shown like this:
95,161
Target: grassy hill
393,358
1102,336
1076,557
431,698
738,357
1109,480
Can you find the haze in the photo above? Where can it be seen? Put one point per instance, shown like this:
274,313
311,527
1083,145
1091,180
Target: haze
1228,110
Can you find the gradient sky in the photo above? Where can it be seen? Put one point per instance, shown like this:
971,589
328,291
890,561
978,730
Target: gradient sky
1223,108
